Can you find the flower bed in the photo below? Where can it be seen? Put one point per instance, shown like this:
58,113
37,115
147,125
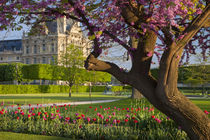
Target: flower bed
92,122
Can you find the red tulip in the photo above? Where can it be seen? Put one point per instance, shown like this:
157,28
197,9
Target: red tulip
153,116
78,118
135,121
118,121
88,119
126,120
94,119
206,112
33,114
18,118
67,118
107,120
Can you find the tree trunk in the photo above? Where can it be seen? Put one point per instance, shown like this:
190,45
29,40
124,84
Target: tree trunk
136,94
70,91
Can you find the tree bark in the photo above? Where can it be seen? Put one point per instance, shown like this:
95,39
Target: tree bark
136,94
70,91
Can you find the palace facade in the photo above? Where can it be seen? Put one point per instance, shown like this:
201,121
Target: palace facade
43,49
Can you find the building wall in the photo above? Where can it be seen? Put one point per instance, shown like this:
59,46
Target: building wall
43,49
10,51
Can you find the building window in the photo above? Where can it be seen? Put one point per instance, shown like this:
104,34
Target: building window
35,49
35,61
43,48
17,58
27,49
53,47
35,41
27,61
1,58
43,60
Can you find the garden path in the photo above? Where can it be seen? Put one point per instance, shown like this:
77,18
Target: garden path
60,104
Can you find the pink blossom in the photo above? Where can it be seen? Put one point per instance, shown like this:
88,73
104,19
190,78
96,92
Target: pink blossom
149,54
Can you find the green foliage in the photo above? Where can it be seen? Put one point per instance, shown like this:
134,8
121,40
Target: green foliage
10,72
96,76
198,74
37,71
72,59
190,74
154,72
24,89
117,88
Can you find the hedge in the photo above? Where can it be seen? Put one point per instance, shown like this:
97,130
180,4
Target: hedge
10,72
30,89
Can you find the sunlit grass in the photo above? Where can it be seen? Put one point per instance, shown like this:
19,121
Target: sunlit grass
20,136
24,99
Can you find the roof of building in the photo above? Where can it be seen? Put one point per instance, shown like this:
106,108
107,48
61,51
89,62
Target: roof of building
10,45
60,25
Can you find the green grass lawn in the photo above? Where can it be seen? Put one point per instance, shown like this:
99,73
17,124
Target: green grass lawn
203,103
20,136
44,98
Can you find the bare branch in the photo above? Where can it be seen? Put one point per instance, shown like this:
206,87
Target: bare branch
92,63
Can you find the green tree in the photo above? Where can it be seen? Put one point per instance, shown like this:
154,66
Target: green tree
199,73
72,59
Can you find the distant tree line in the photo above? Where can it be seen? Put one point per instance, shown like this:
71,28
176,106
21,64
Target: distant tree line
191,74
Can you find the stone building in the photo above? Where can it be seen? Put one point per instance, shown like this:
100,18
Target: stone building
10,51
59,34
43,49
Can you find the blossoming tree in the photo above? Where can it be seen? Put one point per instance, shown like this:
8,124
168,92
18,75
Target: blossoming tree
175,27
